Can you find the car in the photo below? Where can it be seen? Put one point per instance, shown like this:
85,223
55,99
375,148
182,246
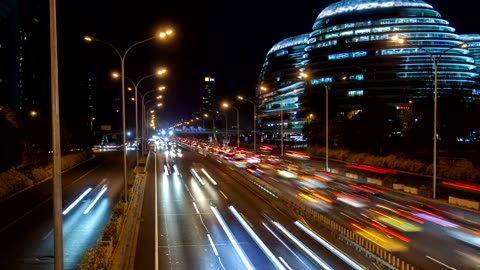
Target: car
265,148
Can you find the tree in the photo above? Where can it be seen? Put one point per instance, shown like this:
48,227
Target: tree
10,139
373,129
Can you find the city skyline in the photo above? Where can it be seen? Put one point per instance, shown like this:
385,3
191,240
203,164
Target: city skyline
201,46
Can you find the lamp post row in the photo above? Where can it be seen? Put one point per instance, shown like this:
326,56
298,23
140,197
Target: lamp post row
122,64
135,87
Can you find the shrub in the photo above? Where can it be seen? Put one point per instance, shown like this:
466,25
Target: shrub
12,181
95,258
466,173
41,173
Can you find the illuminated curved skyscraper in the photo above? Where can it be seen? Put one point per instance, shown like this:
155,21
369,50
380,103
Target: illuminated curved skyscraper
473,41
351,52
280,88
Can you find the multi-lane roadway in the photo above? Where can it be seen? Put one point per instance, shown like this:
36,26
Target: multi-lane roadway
26,223
208,219
197,227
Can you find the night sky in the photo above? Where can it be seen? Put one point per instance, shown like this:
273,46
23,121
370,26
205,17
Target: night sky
225,39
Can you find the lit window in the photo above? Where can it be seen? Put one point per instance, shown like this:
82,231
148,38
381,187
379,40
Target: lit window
355,93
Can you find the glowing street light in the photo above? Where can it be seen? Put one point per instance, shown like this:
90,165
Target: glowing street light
226,105
159,72
122,57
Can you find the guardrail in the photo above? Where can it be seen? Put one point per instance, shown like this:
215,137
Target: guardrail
122,253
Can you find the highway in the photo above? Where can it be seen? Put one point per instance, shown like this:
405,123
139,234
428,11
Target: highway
199,205
184,233
429,248
26,226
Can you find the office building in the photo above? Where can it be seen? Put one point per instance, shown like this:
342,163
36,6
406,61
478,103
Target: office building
350,50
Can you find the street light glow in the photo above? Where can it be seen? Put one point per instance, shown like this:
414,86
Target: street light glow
303,75
166,33
87,38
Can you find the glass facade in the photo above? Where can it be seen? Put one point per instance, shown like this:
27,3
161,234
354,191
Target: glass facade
473,42
354,38
351,49
279,90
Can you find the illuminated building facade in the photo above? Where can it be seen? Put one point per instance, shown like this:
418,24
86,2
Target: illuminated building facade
280,89
473,42
207,105
352,40
351,51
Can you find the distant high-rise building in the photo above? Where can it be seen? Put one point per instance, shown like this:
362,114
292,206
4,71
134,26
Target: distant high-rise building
281,89
8,11
207,101
24,74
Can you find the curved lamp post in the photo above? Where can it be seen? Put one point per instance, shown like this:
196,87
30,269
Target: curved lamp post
160,88
160,72
435,58
254,121
226,105
162,35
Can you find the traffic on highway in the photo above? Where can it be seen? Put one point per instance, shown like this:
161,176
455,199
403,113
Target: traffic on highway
203,199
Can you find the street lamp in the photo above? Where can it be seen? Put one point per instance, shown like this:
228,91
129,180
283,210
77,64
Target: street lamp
159,72
162,35
254,121
226,105
435,58
262,88
143,115
327,89
226,124
152,115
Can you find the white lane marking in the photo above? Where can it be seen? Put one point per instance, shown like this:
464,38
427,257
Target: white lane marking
274,179
213,245
47,235
196,209
441,263
155,180
221,192
285,263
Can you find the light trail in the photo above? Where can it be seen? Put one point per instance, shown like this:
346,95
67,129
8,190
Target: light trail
76,201
232,239
104,188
